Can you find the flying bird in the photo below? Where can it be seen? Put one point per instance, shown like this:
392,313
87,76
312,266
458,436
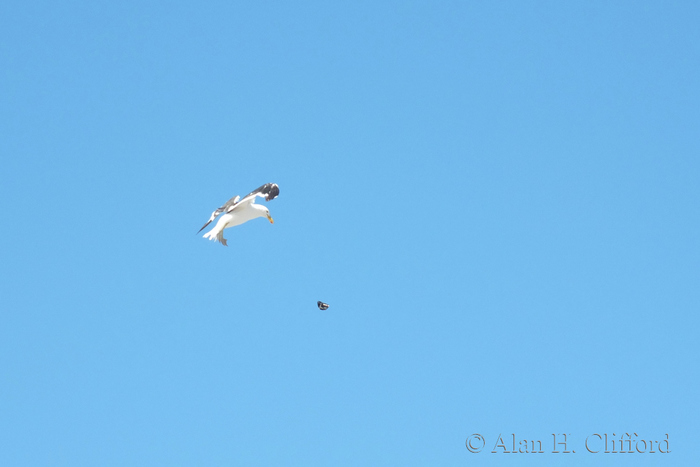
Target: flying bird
237,211
322,306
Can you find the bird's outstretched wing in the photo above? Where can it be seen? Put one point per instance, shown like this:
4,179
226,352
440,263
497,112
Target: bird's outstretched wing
226,207
269,191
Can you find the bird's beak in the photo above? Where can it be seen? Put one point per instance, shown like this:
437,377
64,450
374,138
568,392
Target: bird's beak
270,219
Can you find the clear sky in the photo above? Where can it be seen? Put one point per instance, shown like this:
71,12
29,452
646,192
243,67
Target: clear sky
499,201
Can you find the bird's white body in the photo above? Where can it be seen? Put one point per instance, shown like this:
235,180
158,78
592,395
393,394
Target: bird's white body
237,217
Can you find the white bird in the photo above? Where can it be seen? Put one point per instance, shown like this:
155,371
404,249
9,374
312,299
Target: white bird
237,213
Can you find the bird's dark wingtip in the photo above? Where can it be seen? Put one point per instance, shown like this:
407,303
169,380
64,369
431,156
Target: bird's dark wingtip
273,192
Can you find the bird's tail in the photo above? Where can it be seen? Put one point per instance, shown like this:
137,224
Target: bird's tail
216,235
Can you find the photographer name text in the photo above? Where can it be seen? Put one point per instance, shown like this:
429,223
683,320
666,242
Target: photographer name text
564,443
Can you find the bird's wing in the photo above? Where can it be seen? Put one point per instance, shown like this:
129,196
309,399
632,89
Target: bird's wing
227,207
269,191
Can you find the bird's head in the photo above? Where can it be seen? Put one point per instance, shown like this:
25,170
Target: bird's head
269,217
262,211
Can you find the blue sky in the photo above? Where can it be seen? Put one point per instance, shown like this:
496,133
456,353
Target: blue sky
499,201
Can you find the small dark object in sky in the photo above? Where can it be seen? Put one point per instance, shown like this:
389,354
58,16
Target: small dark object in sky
322,306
